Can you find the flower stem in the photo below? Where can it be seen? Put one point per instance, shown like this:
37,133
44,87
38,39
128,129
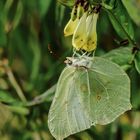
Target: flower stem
13,81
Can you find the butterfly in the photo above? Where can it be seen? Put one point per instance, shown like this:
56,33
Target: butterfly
90,91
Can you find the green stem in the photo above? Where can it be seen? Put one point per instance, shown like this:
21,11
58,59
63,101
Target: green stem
43,97
13,81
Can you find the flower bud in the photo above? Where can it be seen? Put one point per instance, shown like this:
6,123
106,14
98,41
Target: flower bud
70,27
79,35
72,23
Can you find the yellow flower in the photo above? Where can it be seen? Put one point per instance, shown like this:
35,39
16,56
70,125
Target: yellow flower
85,36
79,35
82,26
80,11
91,38
70,27
76,14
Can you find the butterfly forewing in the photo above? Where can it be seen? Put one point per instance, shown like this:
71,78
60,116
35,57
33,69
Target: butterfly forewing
67,115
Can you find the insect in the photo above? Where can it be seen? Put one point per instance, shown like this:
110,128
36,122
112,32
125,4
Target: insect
90,91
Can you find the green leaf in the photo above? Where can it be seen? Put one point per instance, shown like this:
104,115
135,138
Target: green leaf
122,56
121,20
60,14
5,115
133,8
44,6
109,4
36,57
18,14
3,83
137,62
6,97
19,109
67,2
3,37
90,91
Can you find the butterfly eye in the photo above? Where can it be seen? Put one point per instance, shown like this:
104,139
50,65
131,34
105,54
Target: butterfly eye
68,61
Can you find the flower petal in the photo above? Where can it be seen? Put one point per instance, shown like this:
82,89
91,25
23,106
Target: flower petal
79,35
70,27
91,38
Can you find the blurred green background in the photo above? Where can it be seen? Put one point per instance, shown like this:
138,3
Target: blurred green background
32,54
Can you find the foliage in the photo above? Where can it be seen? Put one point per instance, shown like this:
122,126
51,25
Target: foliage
32,53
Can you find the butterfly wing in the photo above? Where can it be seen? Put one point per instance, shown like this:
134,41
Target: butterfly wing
104,91
67,115
88,96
